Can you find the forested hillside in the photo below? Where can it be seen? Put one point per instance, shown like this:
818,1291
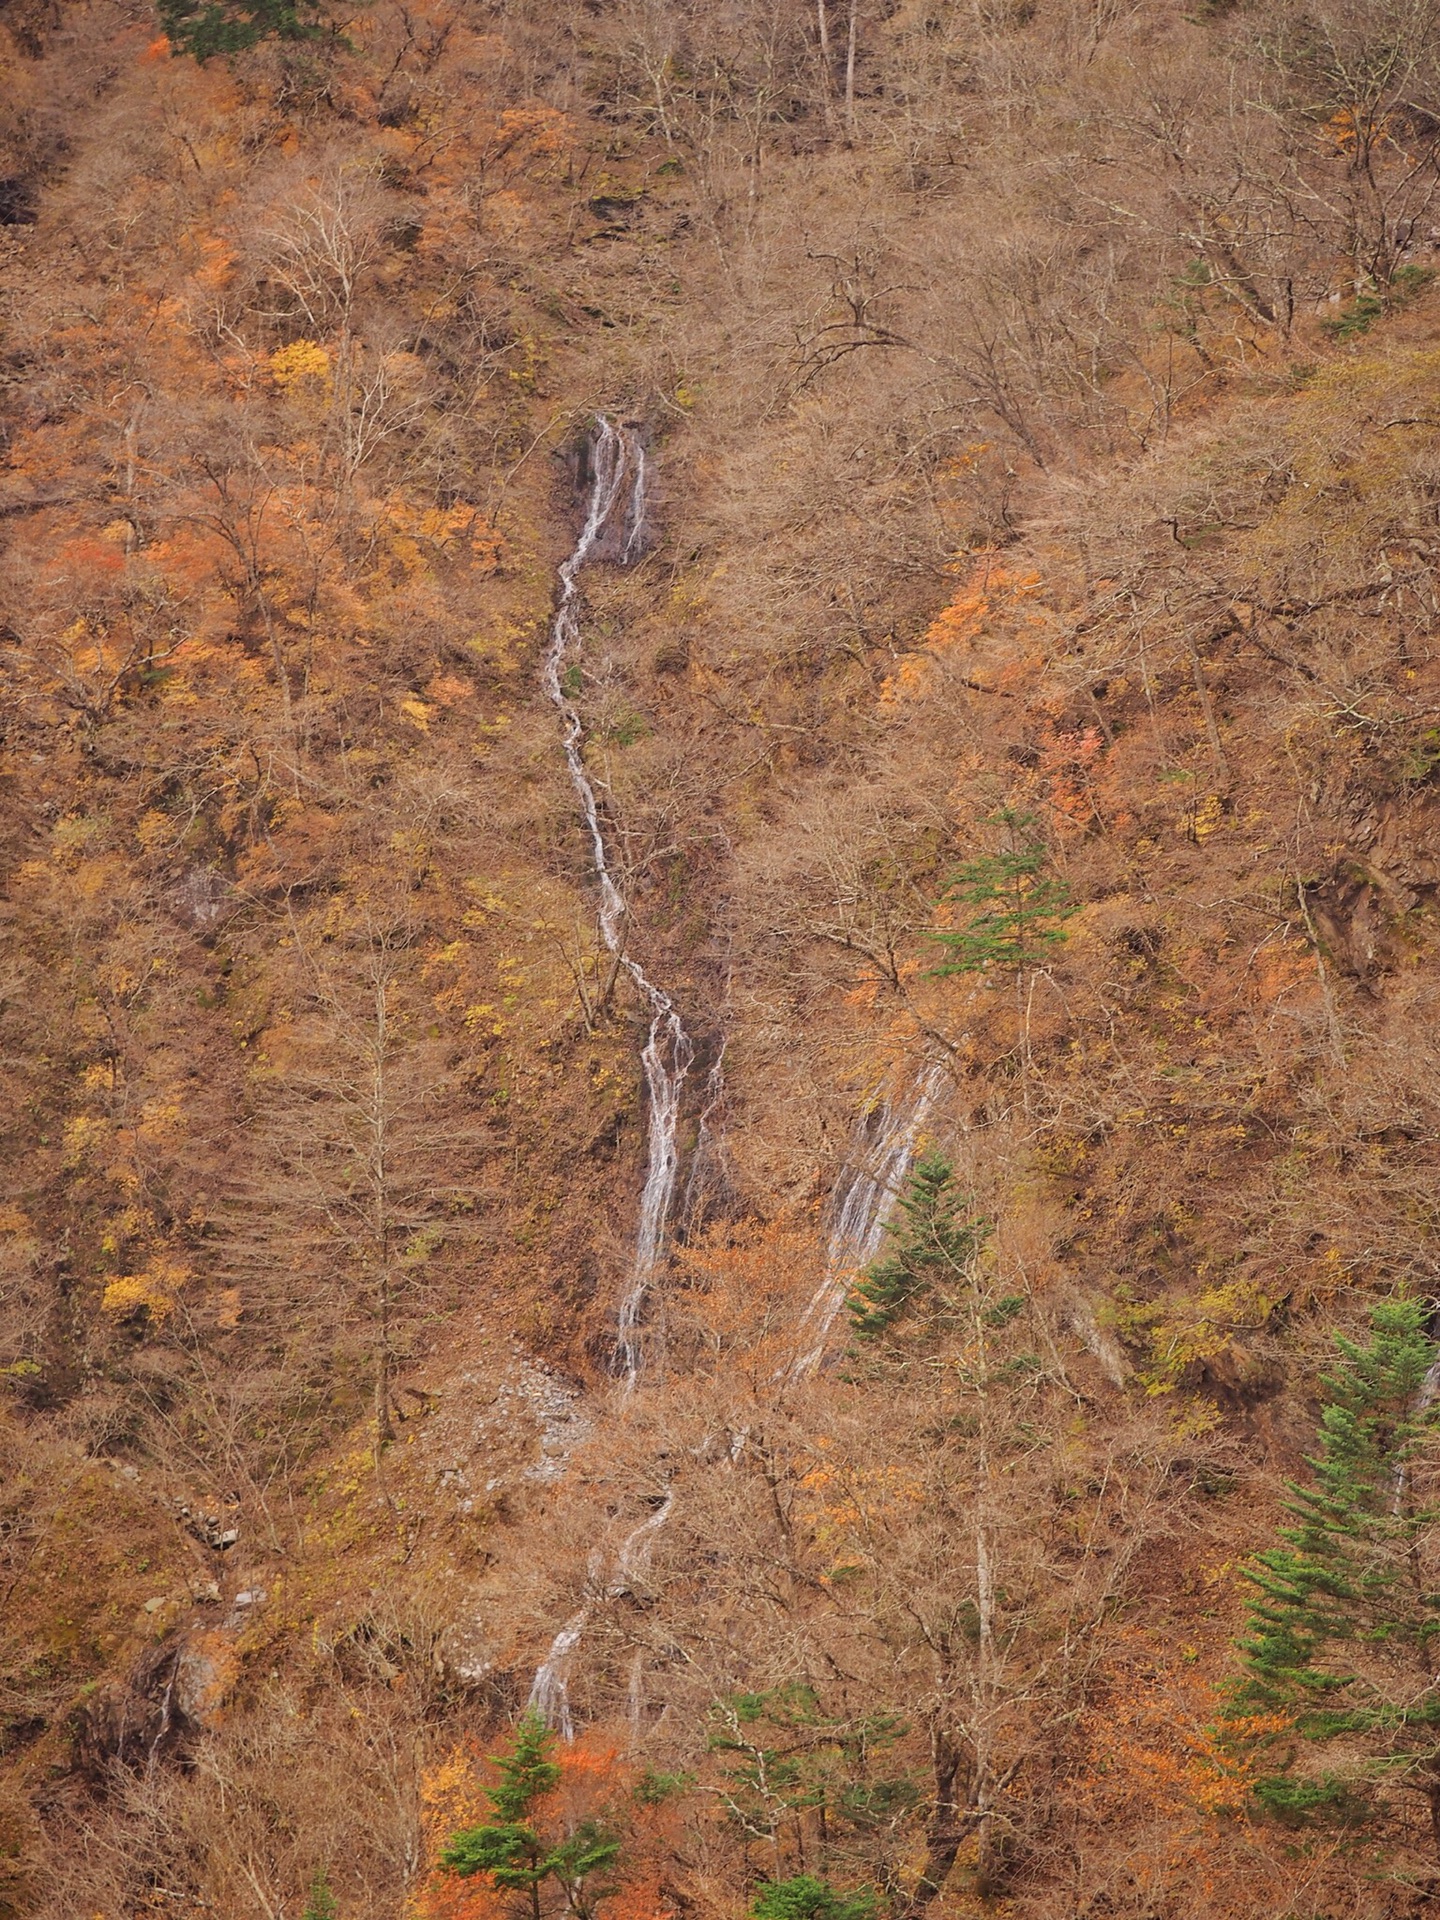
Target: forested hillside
720,854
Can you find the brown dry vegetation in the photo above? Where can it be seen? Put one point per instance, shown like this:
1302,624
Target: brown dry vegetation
1042,407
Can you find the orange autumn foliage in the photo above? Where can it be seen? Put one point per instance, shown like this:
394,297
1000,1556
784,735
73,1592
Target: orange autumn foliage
989,589
744,1280
1157,1768
596,1783
1069,764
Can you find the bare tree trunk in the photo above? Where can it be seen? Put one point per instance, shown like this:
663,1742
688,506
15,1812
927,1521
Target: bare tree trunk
1207,707
380,1187
827,72
945,1830
850,69
987,1678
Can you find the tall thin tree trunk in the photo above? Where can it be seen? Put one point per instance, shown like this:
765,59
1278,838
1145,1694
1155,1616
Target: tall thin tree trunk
827,72
1207,707
850,69
384,1426
986,1678
945,1832
384,1233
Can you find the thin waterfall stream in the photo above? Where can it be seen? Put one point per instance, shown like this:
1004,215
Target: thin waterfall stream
616,509
550,1691
618,486
886,1137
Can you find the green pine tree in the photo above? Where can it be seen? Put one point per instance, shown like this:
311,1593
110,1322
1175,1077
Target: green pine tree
1023,906
512,1851
203,28
808,1898
321,1903
803,1776
934,1246
1340,1695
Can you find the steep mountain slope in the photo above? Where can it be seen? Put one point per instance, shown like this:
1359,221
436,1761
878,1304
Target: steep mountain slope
1012,712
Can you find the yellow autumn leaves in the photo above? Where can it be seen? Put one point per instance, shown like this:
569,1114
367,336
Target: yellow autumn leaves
156,1290
302,363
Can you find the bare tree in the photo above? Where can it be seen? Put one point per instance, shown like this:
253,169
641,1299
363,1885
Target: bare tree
369,1162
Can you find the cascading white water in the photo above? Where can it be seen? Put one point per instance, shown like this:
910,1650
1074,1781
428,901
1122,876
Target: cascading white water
667,1057
550,1692
618,482
633,1558
885,1142
707,1157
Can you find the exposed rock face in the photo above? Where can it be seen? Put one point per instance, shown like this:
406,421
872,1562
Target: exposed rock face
175,1691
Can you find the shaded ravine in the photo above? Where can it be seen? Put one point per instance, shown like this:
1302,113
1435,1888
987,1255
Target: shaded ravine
618,489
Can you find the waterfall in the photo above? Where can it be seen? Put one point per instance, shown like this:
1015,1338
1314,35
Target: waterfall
886,1136
708,1172
881,1152
616,512
550,1691
616,509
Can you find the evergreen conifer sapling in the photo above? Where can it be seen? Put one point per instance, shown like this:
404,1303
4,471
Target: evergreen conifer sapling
1023,908
1341,1686
1023,905
321,1903
933,1250
512,1851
